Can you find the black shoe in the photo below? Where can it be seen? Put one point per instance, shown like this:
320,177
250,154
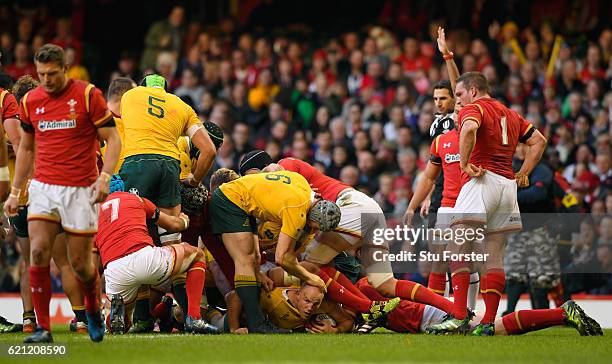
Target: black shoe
200,326
39,336
95,326
117,315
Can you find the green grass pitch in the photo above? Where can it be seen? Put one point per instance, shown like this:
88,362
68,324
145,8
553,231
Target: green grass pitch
557,345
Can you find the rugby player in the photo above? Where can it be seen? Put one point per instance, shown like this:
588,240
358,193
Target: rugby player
489,133
283,197
412,317
65,117
443,168
292,308
360,216
130,258
153,121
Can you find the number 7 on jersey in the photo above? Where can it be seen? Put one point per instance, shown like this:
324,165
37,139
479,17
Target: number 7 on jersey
114,205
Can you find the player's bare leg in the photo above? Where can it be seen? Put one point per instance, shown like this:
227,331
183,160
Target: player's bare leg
241,247
70,285
29,318
189,260
165,237
492,283
42,235
80,254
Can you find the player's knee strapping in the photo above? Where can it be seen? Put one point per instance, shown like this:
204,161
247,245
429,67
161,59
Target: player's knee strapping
166,237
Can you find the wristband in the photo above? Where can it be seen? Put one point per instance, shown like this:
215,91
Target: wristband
105,177
185,221
4,174
448,56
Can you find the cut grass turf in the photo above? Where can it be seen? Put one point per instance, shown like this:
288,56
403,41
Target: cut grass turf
558,345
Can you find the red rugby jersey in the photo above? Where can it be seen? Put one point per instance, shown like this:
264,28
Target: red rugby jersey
122,225
8,105
445,152
328,187
65,132
499,131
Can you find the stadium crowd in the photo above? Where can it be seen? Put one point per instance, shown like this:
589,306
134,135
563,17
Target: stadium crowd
358,106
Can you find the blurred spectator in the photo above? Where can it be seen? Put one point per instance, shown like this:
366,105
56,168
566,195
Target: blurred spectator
22,64
164,35
191,87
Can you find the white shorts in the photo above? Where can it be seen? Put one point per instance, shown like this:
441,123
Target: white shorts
434,316
444,217
360,216
66,205
149,265
490,200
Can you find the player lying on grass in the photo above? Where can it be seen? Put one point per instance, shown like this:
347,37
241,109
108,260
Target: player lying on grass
296,308
130,259
412,317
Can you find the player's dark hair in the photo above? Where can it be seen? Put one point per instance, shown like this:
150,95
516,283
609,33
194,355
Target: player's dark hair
444,85
476,80
119,86
50,53
23,85
6,82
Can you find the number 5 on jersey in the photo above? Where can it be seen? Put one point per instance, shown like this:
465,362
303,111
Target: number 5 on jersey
155,109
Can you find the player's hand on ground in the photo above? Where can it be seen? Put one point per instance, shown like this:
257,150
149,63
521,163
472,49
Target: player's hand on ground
522,180
241,331
408,216
473,171
321,327
442,46
98,191
315,280
425,207
266,282
11,205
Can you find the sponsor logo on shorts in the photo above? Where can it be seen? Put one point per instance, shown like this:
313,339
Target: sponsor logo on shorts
247,222
45,125
451,158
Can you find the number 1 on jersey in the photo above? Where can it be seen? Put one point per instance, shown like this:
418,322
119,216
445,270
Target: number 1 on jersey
504,130
114,205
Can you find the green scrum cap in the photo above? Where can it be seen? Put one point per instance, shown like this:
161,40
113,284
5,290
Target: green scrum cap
154,80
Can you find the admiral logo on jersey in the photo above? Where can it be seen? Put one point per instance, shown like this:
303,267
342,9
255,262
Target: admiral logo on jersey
451,158
45,125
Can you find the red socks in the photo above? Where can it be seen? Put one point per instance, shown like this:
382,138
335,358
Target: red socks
520,322
194,284
412,291
340,294
91,293
492,287
437,282
343,281
40,285
460,280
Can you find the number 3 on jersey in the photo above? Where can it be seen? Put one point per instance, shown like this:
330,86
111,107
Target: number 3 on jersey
114,205
155,109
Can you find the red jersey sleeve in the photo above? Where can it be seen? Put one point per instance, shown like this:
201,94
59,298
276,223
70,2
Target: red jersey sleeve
96,106
434,155
9,106
290,164
150,208
471,112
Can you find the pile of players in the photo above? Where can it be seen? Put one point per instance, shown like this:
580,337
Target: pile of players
276,248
